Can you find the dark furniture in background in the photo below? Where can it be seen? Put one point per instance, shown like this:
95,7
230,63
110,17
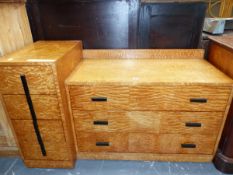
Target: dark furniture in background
221,56
107,24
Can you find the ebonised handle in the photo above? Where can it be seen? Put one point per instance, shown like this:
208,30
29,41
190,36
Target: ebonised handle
102,144
100,122
33,114
99,99
192,124
198,100
188,145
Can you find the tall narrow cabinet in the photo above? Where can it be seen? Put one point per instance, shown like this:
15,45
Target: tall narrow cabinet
33,93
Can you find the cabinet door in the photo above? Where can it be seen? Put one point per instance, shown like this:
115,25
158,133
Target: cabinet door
53,137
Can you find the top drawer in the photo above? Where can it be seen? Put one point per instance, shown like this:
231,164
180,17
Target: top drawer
40,79
184,98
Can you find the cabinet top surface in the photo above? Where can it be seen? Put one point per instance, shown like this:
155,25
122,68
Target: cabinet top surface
40,52
226,40
147,71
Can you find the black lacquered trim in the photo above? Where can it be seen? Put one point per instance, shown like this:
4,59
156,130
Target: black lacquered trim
188,145
102,144
198,100
100,99
33,114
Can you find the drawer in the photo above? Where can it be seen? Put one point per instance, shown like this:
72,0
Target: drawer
149,121
58,151
146,143
163,98
40,79
45,106
186,144
89,97
53,137
100,121
117,142
102,142
50,130
207,123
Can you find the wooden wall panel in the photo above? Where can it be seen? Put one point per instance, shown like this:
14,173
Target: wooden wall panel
15,31
118,24
15,34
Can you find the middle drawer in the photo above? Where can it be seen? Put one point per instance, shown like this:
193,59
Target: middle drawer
148,121
46,106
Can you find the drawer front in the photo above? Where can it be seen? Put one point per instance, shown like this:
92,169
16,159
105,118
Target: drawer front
150,122
53,137
99,121
40,79
117,142
102,142
185,98
94,97
45,106
145,143
186,144
207,123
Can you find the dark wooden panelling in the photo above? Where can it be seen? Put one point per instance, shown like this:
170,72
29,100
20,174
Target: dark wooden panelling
110,24
100,24
171,25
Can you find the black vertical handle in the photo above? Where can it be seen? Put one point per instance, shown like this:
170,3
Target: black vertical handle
33,114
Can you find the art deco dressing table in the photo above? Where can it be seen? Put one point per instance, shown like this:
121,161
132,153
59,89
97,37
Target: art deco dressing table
167,105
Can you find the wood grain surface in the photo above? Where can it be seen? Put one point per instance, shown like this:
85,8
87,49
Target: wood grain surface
148,121
145,156
53,137
45,106
40,52
151,97
147,71
145,142
40,79
43,65
15,29
148,102
143,53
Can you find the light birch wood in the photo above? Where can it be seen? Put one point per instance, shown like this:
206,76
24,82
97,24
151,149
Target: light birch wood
15,30
43,65
15,34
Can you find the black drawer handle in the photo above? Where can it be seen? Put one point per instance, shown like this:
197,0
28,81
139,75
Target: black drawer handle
100,99
198,100
192,124
102,144
100,122
188,145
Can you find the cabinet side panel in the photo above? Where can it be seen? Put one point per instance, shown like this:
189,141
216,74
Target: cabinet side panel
63,68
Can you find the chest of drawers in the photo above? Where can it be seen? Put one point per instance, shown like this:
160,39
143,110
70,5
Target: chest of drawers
148,109
33,92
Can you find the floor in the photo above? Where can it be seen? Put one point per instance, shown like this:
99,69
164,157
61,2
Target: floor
15,166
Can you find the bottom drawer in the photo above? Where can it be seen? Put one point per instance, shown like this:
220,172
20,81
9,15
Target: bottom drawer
145,143
102,142
183,144
53,137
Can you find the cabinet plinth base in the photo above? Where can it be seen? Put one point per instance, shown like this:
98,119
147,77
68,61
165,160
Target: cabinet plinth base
223,163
